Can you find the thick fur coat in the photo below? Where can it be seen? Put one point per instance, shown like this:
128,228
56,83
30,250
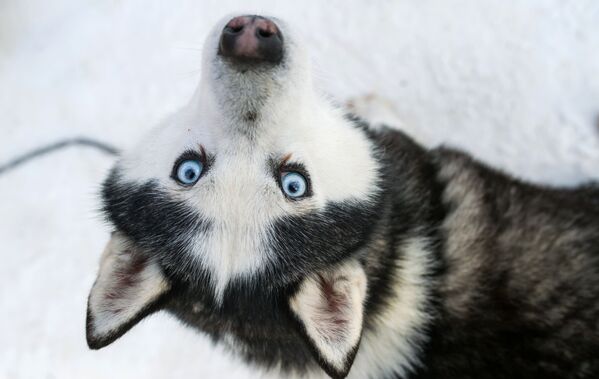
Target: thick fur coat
395,262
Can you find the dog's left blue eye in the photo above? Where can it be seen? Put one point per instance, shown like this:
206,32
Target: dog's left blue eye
294,184
189,171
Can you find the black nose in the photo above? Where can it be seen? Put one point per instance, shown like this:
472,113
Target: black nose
251,39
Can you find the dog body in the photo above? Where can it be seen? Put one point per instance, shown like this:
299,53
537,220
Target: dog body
308,243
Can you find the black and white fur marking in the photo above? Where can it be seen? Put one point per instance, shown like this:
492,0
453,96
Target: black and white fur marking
400,262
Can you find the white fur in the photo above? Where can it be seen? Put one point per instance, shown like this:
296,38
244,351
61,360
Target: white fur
239,194
394,345
110,314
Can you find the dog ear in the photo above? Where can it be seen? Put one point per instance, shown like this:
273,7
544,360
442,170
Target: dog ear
330,308
129,287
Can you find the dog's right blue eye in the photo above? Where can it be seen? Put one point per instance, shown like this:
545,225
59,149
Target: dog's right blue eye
189,171
294,184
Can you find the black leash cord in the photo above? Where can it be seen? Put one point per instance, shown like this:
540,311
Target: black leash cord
44,150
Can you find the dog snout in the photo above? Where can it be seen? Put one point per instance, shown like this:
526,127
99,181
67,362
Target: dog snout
251,39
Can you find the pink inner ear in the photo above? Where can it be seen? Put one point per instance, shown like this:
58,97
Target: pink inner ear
128,287
125,277
334,300
330,307
335,312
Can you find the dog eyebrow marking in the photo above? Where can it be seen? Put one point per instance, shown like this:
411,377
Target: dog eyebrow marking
202,150
285,159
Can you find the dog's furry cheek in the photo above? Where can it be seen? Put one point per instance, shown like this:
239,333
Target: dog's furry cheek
129,287
329,307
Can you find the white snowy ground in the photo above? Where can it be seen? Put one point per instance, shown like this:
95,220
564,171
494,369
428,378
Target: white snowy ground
516,83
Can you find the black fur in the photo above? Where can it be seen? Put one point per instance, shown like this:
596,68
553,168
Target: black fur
152,220
320,240
531,310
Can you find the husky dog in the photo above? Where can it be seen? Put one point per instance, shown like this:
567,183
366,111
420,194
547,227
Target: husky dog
310,244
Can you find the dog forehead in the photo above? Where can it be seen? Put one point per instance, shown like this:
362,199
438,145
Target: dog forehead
338,157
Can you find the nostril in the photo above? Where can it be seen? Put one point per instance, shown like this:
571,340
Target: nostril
236,25
234,29
265,33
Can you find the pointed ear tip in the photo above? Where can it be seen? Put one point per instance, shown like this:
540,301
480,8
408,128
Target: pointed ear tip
94,344
336,373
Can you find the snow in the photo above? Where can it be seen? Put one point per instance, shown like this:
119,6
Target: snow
515,83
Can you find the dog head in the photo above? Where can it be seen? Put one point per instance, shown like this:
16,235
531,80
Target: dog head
258,181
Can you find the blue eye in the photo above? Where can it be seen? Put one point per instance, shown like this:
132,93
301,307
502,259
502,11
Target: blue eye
294,184
189,171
